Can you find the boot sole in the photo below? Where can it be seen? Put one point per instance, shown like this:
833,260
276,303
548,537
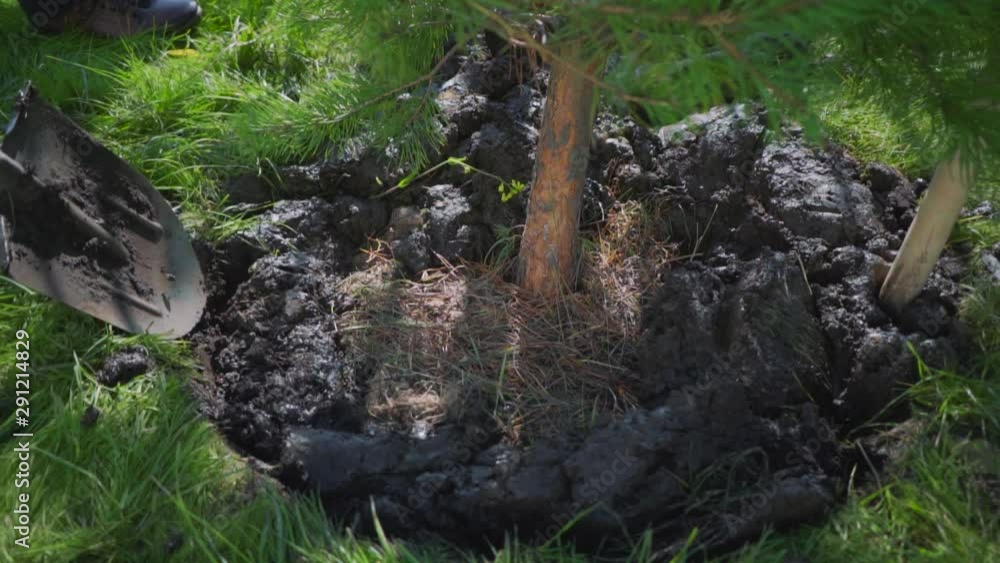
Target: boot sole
192,21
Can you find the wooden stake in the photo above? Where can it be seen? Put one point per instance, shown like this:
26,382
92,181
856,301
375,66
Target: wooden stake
927,236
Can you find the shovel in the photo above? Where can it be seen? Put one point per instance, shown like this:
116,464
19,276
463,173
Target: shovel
81,226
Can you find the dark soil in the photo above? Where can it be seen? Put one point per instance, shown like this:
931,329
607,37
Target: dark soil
90,416
761,349
124,366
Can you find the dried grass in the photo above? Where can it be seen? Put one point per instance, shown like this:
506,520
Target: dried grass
463,342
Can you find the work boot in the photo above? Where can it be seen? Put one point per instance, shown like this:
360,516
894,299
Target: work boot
112,18
120,18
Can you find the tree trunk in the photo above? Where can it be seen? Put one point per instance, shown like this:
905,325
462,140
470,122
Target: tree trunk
549,249
928,234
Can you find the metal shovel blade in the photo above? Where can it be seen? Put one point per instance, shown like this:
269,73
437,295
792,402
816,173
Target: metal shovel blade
85,228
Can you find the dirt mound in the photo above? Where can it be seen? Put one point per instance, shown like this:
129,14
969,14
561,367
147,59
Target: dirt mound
274,340
758,339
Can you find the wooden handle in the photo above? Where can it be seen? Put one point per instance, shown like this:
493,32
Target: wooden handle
928,234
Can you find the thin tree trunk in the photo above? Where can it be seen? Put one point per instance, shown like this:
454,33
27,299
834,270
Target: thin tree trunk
549,249
928,234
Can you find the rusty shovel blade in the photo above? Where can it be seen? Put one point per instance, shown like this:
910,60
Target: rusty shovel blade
83,227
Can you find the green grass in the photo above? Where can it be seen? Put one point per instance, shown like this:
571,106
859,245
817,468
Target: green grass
254,87
864,127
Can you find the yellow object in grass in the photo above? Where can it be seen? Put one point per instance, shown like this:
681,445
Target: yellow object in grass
182,53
